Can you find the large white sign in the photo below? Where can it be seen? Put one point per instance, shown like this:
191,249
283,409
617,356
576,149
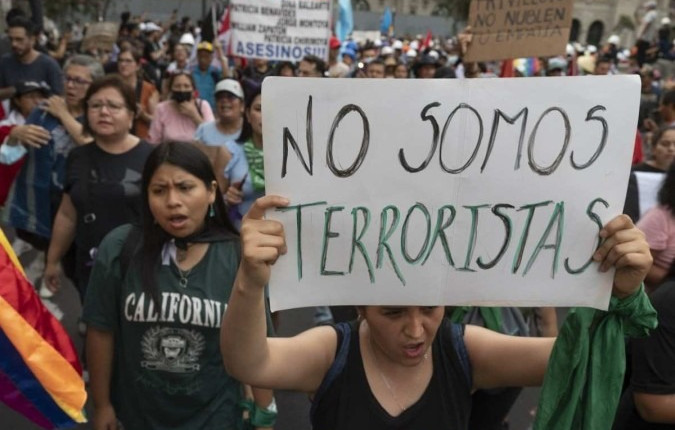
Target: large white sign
446,192
280,30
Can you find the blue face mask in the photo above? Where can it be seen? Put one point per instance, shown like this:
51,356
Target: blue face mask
10,154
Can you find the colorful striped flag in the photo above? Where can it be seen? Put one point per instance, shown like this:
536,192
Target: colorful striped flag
40,375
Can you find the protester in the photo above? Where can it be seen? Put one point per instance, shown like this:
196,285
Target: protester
647,403
27,96
375,69
179,65
25,62
245,171
102,180
658,224
147,96
396,365
230,115
285,68
177,119
646,34
401,71
56,128
257,70
205,75
311,66
167,366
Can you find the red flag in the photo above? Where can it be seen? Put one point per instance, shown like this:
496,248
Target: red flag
427,40
507,69
224,32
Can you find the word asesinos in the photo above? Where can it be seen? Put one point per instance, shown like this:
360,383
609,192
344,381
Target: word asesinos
439,139
393,243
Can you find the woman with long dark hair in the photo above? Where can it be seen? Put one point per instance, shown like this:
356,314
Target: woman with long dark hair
155,303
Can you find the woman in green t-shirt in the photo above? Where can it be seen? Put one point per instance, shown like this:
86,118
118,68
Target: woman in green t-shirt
155,303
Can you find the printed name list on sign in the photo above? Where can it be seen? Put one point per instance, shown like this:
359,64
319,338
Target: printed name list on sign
518,28
280,30
446,192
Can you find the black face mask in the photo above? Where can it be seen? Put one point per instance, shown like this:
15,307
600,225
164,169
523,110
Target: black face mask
181,96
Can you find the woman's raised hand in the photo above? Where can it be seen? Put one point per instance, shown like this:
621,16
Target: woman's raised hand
263,241
625,248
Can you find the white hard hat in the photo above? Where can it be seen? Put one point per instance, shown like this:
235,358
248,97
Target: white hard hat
411,53
614,39
397,44
387,50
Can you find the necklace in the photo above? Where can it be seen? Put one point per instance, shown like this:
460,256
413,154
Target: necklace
183,281
385,380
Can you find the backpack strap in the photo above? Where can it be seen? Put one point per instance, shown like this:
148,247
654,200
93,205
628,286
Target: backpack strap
457,338
344,333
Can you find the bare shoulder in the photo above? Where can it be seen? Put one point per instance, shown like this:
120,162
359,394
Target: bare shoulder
311,353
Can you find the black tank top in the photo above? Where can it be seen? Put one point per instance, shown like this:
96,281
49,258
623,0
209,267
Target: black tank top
344,400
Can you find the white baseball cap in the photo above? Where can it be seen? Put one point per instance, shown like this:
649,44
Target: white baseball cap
231,86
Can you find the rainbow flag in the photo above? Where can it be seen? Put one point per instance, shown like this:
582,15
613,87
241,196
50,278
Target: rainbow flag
40,375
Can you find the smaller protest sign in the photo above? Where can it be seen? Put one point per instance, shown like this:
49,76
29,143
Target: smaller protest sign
101,36
280,30
518,28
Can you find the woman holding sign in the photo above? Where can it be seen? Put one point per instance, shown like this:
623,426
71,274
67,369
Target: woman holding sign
396,366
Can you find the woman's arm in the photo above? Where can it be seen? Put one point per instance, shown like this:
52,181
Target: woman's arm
499,360
656,408
549,321
100,349
155,134
656,273
63,233
248,354
503,361
57,107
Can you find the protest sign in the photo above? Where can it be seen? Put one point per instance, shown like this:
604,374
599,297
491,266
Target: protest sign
518,28
440,192
100,35
280,30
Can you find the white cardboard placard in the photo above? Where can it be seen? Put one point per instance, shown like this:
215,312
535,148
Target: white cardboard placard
545,159
280,30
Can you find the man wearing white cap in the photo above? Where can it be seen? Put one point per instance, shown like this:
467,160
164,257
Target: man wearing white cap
647,32
229,115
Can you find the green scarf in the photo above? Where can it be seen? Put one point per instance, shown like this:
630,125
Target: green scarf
492,317
583,381
256,166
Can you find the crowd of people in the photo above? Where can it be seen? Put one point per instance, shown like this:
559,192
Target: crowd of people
135,170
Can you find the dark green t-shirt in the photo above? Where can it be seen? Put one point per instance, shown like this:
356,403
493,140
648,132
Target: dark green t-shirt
168,371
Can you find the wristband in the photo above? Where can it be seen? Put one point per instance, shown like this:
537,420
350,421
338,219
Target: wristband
260,417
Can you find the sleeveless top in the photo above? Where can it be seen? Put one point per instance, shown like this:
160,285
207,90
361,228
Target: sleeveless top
344,400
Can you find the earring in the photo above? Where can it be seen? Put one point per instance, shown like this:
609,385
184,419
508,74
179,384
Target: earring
212,212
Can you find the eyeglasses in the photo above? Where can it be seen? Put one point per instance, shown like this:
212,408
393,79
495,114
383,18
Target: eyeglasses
97,106
126,60
76,81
